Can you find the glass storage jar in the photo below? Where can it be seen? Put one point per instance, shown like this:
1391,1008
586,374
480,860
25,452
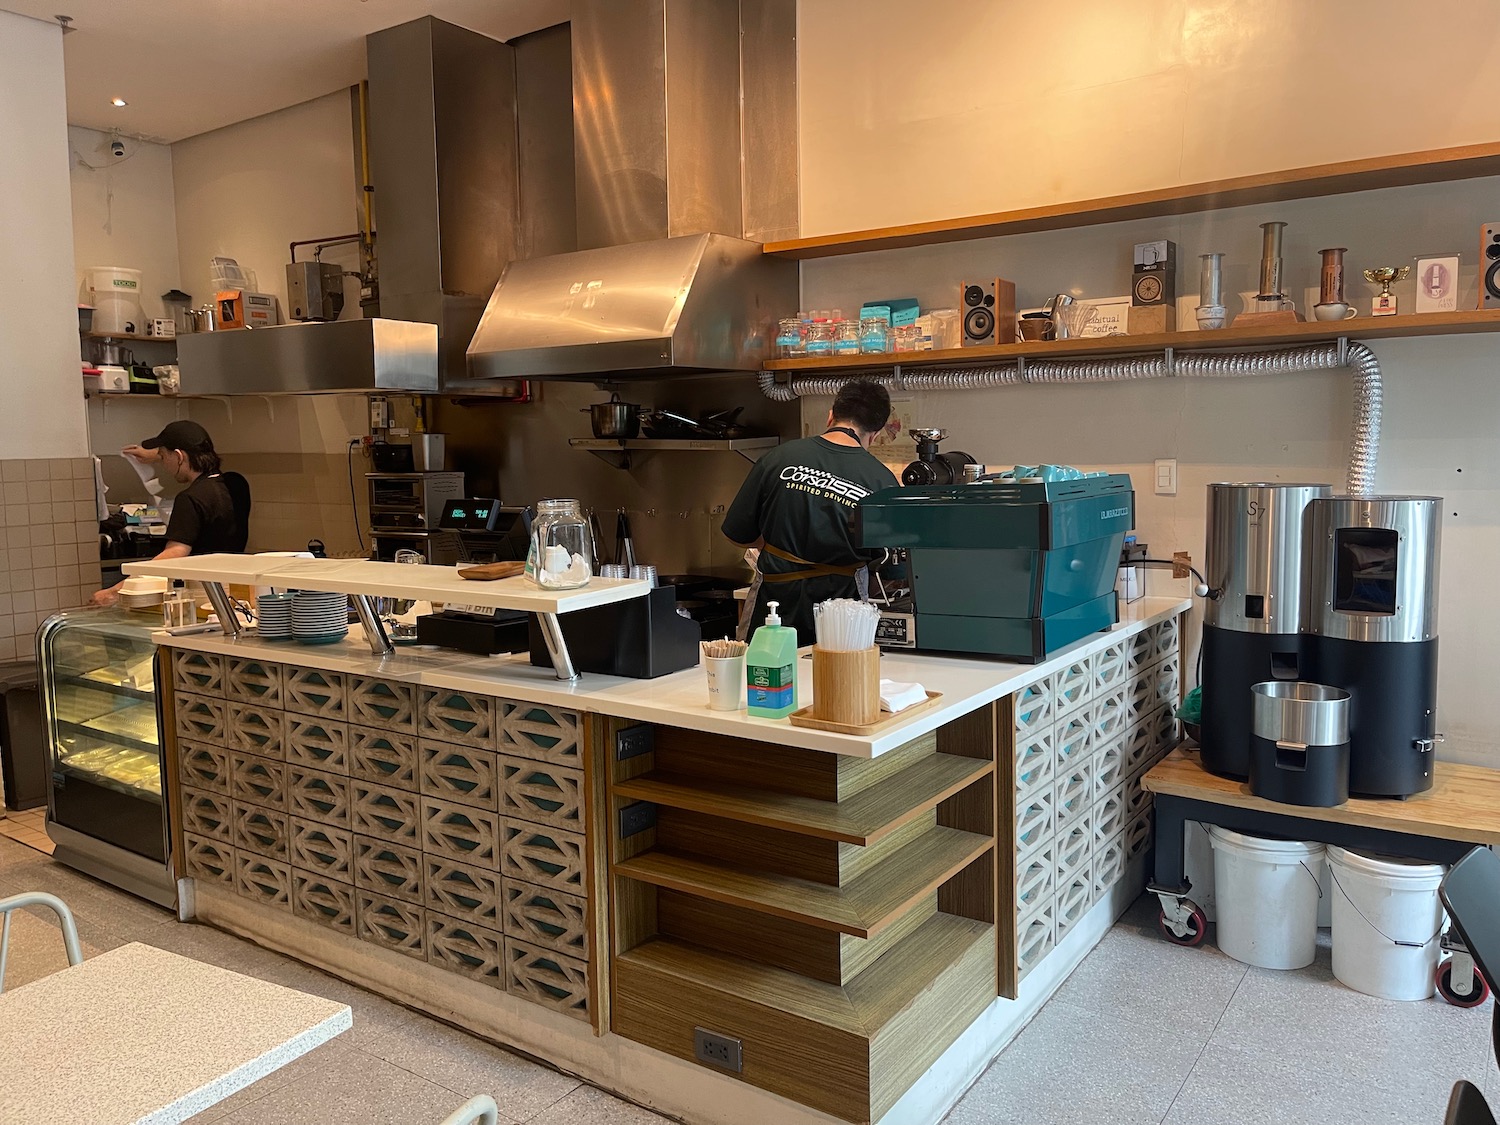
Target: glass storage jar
790,338
560,557
846,337
820,338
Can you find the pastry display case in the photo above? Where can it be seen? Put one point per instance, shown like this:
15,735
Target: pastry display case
105,810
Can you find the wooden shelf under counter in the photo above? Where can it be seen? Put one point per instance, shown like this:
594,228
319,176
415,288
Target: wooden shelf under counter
1309,332
834,914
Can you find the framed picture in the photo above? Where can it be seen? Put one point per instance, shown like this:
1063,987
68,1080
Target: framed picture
1437,284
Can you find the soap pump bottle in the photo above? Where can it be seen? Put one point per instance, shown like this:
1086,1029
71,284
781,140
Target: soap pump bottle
771,669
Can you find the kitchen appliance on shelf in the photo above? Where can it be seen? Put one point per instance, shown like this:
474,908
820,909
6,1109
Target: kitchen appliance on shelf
405,512
1370,628
1002,568
105,812
1251,622
314,290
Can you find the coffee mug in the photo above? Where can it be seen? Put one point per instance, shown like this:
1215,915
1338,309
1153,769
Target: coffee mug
1335,310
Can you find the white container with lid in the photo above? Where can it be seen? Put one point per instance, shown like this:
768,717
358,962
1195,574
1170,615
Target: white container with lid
115,293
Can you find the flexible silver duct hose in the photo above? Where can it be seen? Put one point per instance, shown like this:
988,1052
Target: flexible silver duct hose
1364,442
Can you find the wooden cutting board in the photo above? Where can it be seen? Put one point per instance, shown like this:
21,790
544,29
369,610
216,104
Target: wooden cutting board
488,572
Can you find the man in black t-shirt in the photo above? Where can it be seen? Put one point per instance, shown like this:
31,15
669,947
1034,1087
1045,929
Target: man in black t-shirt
212,514
797,505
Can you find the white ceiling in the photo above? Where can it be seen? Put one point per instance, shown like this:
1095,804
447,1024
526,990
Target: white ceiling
188,66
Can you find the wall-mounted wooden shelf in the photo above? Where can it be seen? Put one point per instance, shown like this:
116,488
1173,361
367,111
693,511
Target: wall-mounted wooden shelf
1398,170
1312,332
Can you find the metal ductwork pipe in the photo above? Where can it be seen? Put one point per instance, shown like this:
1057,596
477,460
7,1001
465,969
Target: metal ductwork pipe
1364,442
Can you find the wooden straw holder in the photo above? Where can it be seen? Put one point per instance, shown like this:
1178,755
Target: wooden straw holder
846,686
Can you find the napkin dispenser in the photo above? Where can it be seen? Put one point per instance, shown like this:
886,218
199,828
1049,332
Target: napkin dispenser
641,638
1012,569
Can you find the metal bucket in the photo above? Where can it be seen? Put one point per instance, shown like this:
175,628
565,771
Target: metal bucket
1299,745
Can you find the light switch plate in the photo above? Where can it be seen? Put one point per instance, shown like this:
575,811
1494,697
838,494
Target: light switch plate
1166,477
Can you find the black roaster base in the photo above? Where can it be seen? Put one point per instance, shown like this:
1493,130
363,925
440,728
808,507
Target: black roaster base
1233,663
1393,690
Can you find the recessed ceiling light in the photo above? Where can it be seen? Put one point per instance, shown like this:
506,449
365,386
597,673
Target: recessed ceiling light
118,102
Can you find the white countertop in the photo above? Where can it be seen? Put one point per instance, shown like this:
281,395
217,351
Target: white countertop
141,1036
422,582
681,699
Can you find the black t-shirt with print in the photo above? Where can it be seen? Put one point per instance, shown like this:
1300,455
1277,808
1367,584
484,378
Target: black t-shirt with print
800,498
205,518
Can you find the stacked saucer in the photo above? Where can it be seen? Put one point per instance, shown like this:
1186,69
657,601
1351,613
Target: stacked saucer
319,618
273,617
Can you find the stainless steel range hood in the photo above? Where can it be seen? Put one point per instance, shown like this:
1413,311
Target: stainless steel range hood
703,302
658,161
335,357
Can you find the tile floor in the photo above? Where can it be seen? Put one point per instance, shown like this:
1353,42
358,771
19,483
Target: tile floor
29,828
1143,1032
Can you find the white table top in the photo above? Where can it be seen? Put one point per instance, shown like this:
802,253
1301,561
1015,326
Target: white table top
681,699
422,582
141,1036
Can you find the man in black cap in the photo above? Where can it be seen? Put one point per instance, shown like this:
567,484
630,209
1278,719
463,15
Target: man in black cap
212,514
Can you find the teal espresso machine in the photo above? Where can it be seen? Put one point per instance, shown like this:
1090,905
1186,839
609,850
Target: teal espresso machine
1005,568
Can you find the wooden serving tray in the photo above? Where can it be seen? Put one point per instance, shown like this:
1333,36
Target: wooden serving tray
805,718
489,572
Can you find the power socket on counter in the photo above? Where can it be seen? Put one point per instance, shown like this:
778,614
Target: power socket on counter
718,1050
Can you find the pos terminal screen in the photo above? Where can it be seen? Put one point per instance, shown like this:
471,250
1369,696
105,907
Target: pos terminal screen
469,514
1365,570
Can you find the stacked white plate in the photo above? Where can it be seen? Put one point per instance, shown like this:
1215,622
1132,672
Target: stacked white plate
319,618
273,617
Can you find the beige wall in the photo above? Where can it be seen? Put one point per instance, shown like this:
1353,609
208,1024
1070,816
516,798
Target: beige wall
38,324
952,107
248,190
1233,87
123,212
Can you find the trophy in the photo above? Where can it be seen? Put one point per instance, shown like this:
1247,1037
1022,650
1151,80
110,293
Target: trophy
1384,303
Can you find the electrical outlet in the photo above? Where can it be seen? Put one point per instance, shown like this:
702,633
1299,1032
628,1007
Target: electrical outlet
1166,477
717,1050
637,817
634,741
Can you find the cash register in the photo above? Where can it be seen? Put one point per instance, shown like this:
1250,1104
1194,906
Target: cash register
1003,567
483,531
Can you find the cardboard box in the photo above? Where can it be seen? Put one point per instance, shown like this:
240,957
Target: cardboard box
1148,319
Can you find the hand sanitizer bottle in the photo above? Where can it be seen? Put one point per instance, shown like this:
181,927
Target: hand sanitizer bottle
771,669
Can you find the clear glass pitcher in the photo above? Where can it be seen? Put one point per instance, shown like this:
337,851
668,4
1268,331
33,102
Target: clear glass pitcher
560,557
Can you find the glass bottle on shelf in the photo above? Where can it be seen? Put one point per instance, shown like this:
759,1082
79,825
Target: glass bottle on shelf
560,557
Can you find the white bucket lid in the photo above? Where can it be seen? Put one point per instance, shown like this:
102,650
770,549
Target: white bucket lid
1262,847
1411,874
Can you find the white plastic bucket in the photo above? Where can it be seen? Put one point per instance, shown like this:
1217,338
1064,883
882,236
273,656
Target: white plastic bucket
1267,893
115,293
1386,922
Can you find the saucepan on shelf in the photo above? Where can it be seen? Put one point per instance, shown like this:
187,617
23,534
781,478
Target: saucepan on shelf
614,419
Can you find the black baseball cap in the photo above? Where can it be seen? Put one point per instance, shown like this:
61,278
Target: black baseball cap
179,435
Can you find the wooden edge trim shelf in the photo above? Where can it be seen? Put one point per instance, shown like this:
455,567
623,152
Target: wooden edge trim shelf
1310,332
1463,803
862,819
861,909
1397,170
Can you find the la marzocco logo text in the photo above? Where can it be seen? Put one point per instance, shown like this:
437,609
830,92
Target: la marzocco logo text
817,480
1113,512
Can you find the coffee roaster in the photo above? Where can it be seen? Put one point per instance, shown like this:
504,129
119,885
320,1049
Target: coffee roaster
1003,568
1371,629
1322,594
1251,623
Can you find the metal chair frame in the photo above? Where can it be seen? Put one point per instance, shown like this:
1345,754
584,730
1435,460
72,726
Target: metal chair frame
478,1110
38,898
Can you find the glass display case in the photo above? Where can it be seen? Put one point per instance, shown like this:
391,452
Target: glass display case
105,810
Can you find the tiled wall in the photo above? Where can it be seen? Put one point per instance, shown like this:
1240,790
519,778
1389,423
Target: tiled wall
300,496
49,543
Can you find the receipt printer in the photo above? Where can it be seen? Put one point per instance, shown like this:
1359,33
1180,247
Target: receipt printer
1014,569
